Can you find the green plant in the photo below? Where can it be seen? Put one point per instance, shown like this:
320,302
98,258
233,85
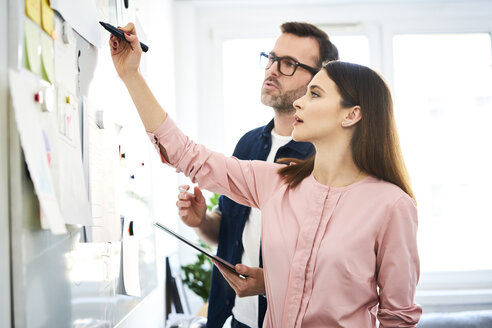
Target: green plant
213,201
197,275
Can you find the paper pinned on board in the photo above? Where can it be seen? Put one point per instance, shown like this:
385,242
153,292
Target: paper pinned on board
130,247
32,47
47,59
23,87
33,10
101,162
68,172
47,18
65,65
82,16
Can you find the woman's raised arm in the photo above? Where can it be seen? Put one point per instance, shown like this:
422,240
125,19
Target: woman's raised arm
126,60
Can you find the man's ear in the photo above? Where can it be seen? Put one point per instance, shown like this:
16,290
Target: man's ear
353,116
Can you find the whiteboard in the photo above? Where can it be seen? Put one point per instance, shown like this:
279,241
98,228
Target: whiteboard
63,280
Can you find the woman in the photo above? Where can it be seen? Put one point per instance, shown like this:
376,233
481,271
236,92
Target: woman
338,230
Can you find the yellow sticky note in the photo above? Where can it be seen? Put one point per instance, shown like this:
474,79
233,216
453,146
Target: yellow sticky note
32,47
33,10
47,17
47,58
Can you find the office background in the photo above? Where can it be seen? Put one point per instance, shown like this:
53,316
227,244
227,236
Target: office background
203,67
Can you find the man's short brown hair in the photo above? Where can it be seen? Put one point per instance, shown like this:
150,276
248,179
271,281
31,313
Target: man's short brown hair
327,50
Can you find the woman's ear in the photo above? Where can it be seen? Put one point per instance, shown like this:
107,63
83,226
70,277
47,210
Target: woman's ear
354,116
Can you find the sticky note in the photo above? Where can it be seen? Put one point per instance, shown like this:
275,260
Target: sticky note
48,65
32,47
47,18
33,10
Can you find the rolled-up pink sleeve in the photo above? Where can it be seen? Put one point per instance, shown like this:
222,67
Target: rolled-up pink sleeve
243,181
398,266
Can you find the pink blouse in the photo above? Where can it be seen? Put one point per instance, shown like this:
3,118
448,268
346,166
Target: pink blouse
333,257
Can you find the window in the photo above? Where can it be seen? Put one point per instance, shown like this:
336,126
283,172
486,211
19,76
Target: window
440,73
443,103
352,48
442,89
243,78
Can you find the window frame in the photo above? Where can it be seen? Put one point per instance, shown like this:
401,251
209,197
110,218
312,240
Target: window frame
444,291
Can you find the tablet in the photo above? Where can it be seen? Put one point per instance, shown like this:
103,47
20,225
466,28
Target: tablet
200,249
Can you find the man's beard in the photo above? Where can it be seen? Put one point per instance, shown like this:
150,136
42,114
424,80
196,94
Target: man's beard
282,103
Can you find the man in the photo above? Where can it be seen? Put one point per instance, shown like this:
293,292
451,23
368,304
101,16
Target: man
296,57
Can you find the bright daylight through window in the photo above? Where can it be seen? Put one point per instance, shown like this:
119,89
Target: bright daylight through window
443,98
443,102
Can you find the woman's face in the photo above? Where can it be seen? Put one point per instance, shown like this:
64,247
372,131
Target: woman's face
319,113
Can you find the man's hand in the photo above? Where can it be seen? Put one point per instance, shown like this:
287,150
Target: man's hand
254,284
191,208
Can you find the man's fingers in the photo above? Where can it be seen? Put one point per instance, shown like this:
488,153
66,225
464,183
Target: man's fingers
222,269
242,287
184,194
183,203
225,274
243,269
233,279
183,188
199,195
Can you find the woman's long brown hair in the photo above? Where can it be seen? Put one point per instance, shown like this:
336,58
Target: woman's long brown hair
375,143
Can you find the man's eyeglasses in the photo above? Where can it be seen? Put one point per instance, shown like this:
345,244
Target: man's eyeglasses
285,65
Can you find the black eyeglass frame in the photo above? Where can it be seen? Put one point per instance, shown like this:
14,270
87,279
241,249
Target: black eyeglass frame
310,69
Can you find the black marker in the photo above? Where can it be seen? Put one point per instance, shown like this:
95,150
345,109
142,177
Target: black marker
120,34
